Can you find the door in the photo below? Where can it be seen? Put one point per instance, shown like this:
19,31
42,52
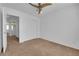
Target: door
4,32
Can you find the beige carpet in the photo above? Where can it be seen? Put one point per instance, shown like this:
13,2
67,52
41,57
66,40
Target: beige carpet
37,47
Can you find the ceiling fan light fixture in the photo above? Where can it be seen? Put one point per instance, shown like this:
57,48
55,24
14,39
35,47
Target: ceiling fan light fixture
40,6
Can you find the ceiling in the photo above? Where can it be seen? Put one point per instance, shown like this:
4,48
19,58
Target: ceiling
26,8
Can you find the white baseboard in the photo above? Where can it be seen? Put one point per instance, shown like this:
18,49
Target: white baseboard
61,43
21,41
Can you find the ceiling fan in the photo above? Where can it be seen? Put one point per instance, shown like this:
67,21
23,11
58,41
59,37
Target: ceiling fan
40,6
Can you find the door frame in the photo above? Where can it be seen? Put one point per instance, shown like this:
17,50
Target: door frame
5,31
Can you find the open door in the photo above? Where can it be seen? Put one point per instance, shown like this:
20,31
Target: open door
14,23
4,32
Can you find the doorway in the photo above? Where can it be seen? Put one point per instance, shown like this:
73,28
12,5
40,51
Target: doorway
12,28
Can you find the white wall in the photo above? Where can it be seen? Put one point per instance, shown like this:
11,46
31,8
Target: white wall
29,28
28,25
62,26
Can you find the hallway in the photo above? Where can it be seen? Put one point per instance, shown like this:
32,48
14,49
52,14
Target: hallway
37,47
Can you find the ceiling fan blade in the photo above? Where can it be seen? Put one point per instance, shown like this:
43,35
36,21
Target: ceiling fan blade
45,5
33,5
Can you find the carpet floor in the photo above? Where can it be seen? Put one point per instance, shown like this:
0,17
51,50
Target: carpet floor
37,47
